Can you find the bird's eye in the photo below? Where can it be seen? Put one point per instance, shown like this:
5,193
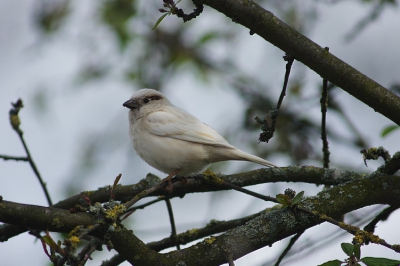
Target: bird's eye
146,100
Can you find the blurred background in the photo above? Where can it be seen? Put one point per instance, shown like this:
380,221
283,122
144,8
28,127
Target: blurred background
75,62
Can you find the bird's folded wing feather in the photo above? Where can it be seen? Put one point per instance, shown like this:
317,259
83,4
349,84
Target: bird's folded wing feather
183,126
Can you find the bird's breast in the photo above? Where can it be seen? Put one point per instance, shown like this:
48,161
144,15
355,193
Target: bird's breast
168,154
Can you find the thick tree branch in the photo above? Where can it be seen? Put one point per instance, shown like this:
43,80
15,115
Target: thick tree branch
265,229
213,227
43,218
273,30
308,174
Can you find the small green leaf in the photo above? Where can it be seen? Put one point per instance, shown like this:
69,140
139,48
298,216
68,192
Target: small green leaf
332,263
159,20
388,130
283,199
357,251
370,261
297,198
347,248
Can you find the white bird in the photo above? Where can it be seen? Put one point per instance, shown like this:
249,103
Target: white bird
174,141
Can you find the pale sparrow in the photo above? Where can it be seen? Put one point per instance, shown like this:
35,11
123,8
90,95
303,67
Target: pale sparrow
174,141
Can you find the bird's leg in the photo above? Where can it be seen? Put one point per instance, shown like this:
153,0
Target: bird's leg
168,179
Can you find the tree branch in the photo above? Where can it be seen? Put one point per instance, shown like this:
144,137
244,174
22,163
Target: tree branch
43,218
13,158
15,123
265,229
331,68
308,174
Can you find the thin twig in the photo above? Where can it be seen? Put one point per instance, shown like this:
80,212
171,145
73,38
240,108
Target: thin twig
249,192
324,105
306,248
289,64
36,171
145,193
196,12
172,222
144,205
268,130
15,123
360,236
382,216
14,158
289,246
93,245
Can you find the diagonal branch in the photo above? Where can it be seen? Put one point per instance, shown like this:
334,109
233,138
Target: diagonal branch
266,25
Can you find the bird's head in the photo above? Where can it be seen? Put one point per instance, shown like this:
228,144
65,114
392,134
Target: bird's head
145,101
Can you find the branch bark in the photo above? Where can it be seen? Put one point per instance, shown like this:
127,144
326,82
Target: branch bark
267,228
264,229
42,218
275,31
308,174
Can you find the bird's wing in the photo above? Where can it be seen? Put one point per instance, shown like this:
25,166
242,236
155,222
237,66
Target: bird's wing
178,124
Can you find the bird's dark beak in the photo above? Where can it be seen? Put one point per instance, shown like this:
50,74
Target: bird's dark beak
131,104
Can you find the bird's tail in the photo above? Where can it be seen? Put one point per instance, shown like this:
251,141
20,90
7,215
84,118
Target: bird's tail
252,158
